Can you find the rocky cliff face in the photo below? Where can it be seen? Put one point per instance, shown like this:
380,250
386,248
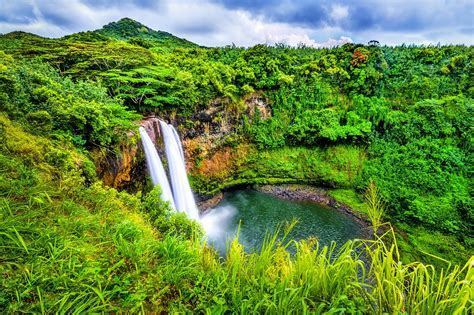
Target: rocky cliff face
209,141
121,169
152,127
125,168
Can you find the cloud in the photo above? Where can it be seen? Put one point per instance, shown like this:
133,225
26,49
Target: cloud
361,14
224,27
247,22
16,12
339,12
122,3
409,18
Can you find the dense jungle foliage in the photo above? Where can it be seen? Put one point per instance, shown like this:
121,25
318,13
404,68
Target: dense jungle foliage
342,118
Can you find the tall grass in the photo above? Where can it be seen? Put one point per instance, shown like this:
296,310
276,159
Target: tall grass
375,205
112,260
97,250
364,276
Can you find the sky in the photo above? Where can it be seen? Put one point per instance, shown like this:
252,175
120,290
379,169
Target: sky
318,23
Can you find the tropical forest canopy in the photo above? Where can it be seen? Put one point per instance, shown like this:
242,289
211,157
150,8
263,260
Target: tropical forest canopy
337,117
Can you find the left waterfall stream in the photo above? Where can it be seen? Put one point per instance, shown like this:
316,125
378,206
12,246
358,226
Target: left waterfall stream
155,167
179,193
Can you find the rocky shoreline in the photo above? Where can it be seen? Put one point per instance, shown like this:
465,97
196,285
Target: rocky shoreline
313,194
206,204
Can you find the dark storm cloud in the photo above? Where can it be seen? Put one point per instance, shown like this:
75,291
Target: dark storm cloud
362,15
57,12
313,16
16,12
308,13
359,18
197,28
218,22
391,16
121,3
23,11
58,18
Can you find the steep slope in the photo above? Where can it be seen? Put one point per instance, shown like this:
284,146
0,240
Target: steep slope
128,29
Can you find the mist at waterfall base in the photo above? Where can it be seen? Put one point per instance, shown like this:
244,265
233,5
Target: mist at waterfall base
260,213
257,213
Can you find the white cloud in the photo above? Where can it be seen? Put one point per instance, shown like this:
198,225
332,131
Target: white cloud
211,24
205,23
228,26
339,12
38,27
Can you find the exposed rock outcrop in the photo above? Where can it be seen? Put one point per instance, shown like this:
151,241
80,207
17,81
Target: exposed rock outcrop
206,204
255,102
207,139
121,169
152,127
125,167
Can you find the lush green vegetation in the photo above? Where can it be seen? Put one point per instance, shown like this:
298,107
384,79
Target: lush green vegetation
66,247
135,33
342,118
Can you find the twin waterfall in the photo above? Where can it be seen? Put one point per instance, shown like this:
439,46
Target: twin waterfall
180,194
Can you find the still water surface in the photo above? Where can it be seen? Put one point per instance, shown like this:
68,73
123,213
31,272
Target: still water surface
259,213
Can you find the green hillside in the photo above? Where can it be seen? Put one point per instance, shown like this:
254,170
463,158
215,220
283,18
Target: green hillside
130,30
124,30
388,131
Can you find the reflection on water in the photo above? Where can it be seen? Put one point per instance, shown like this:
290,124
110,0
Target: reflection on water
259,213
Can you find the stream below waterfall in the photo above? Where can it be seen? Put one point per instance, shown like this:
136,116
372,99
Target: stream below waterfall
259,213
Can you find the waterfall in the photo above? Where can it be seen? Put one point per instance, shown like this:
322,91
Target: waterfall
183,195
157,173
176,136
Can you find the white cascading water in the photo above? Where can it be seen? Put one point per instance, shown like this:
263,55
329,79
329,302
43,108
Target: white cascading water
175,133
215,222
155,167
182,193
